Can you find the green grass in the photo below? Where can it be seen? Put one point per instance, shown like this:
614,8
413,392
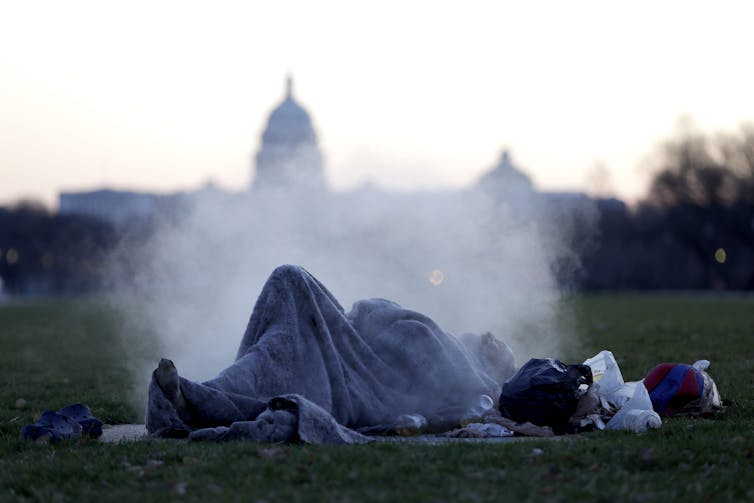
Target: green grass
56,353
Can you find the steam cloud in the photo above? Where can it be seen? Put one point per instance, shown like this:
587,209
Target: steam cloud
469,262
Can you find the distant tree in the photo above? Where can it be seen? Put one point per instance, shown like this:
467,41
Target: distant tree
31,206
691,169
45,253
695,228
737,154
703,190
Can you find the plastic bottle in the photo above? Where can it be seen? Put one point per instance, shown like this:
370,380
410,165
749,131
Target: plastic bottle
637,414
642,420
474,414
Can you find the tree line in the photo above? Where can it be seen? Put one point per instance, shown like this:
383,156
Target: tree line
695,227
44,253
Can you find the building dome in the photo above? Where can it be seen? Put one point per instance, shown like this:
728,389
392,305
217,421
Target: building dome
289,156
289,122
506,180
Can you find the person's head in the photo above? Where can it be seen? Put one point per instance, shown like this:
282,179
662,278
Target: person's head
494,355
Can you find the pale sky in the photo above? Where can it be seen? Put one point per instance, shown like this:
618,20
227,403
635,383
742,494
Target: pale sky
165,96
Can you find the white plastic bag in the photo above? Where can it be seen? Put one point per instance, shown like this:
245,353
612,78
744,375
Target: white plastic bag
631,398
619,397
605,372
637,414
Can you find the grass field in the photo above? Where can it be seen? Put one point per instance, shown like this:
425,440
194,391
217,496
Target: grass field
56,353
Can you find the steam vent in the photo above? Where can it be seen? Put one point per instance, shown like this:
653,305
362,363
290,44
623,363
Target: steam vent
289,157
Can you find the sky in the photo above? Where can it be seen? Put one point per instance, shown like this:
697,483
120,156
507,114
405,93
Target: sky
167,96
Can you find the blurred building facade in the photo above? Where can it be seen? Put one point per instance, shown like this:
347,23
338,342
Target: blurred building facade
289,160
117,206
287,163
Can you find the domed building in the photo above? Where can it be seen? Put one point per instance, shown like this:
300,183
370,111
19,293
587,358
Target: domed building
506,180
289,157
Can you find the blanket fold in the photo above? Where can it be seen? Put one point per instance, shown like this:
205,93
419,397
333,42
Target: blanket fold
288,418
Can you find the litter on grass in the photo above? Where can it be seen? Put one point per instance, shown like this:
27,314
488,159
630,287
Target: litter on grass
669,389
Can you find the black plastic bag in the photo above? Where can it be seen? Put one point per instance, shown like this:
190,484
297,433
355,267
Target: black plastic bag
544,392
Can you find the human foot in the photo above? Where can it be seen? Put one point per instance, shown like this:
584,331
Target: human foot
167,378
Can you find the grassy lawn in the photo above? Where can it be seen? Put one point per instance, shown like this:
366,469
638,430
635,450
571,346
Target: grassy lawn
56,353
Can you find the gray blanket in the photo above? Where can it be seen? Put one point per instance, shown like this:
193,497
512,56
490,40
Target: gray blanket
302,358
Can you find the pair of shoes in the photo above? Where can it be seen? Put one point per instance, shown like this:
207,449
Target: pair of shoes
69,422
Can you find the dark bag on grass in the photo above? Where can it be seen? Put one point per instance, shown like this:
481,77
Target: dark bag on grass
544,392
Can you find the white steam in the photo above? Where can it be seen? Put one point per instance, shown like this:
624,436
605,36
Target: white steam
471,264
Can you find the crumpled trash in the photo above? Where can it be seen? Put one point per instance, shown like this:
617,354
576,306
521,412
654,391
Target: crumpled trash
526,429
490,429
480,430
69,422
678,389
636,415
589,411
629,399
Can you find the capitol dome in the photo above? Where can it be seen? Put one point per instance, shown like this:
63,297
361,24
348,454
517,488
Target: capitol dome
506,180
289,156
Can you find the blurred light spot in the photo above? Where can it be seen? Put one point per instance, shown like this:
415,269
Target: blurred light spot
47,261
11,256
436,277
720,255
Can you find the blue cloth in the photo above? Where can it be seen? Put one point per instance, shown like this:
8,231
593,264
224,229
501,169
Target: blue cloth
69,422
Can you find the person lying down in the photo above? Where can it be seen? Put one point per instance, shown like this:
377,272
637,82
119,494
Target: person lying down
308,371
